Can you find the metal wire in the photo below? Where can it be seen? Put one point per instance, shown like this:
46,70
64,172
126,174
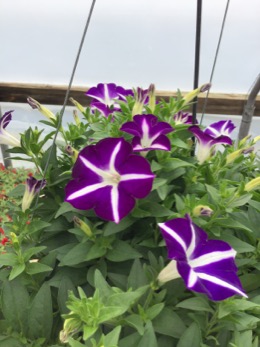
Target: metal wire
67,94
215,60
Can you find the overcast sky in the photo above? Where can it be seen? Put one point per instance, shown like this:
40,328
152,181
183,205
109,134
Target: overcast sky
130,42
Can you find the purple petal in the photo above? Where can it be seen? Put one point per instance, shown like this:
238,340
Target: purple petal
183,118
136,177
34,185
160,143
181,235
223,127
206,266
102,108
131,128
122,93
5,120
114,204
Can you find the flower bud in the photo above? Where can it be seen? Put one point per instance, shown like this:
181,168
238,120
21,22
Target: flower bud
83,226
257,138
140,98
32,188
44,110
253,184
191,95
78,105
72,152
202,210
71,326
169,273
152,99
76,117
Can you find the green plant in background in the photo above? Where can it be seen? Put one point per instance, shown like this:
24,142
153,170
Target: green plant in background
85,259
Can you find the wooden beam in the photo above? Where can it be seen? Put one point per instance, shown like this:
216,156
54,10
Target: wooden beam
218,103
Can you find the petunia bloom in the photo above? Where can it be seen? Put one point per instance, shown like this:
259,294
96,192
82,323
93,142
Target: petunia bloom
206,266
148,133
183,118
105,95
216,133
32,188
5,137
108,178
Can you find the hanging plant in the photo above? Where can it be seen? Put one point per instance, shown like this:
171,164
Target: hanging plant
125,238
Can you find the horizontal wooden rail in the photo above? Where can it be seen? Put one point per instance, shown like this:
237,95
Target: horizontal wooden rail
218,103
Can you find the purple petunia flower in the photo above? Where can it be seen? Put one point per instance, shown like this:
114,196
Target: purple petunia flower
214,134
183,118
148,133
5,137
32,188
108,178
104,96
206,266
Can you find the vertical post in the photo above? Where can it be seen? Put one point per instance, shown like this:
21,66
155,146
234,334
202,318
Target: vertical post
4,148
197,58
249,110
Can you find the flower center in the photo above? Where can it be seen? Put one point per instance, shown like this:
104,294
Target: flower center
111,178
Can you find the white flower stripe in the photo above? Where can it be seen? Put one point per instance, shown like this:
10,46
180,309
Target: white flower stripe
213,257
192,244
86,190
129,177
173,234
91,166
115,204
219,282
113,157
192,279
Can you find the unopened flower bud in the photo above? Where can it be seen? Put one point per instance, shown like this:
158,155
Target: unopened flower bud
244,140
169,273
76,117
191,95
83,226
253,184
202,210
78,105
71,326
140,98
257,138
44,110
72,152
151,94
32,188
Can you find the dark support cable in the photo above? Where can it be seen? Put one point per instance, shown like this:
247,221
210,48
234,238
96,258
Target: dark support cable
67,93
197,58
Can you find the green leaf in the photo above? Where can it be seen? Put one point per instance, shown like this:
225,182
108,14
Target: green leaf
155,209
88,331
35,268
239,201
113,228
159,182
136,322
8,259
175,163
40,314
149,338
112,338
239,245
137,277
74,343
17,192
213,192
10,342
64,208
122,251
16,271
191,336
15,300
169,323
76,255
154,310
130,340
233,305
196,304
31,251
95,251
66,286
104,288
